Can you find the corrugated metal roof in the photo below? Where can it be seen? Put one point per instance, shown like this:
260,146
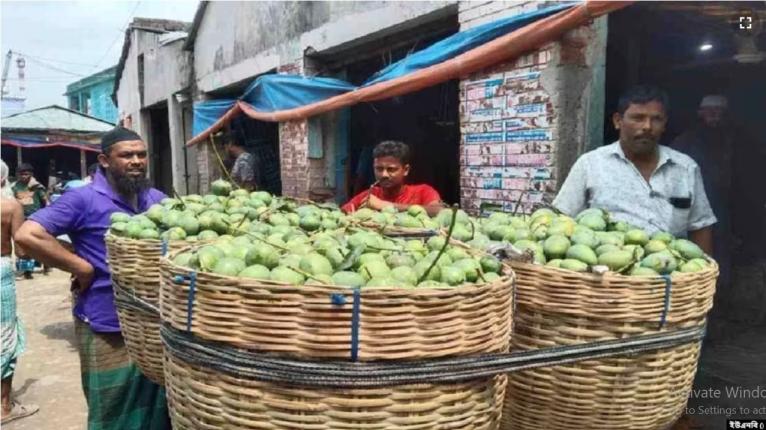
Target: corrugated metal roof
54,118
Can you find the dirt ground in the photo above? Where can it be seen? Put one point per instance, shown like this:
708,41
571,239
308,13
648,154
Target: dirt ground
48,373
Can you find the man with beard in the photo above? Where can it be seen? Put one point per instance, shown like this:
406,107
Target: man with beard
639,181
118,395
391,163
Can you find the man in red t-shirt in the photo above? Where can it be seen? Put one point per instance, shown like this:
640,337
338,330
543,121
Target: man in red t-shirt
391,162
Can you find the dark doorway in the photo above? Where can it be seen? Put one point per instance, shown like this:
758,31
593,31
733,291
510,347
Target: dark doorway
426,120
694,49
161,157
261,139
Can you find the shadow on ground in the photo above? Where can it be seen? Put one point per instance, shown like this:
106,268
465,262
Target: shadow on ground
60,331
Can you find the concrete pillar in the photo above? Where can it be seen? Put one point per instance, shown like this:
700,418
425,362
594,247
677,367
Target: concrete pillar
524,122
177,142
294,147
83,164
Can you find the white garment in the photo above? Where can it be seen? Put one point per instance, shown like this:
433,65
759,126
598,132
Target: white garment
605,178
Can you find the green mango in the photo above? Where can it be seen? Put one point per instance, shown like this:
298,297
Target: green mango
687,249
416,210
133,230
149,233
286,275
348,279
183,259
316,264
471,268
643,271
607,247
582,253
556,246
574,265
400,259
207,235
663,236
490,264
452,275
615,260
661,262
229,266
405,274
655,245
119,228
374,269
636,237
691,266
583,238
255,271
593,222
490,277
220,187
125,218
556,262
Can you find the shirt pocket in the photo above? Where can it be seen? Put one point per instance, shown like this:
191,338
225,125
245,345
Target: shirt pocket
679,202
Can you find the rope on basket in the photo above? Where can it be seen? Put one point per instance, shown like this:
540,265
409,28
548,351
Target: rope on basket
192,277
164,246
666,304
128,299
243,363
355,310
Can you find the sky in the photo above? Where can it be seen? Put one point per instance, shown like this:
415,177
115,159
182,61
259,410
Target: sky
64,41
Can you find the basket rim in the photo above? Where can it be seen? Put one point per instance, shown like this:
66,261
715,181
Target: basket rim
634,280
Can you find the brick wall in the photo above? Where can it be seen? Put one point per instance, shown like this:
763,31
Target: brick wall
508,135
524,122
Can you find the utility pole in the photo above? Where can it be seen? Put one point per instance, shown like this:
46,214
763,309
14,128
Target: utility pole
6,66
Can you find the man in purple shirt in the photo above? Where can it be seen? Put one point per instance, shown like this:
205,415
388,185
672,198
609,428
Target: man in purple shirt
118,395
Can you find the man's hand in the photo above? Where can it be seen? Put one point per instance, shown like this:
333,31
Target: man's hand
377,203
84,276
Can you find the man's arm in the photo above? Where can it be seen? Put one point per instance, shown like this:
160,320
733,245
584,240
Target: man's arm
703,238
17,219
40,245
571,198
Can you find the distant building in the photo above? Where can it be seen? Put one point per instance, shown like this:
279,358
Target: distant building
12,106
92,95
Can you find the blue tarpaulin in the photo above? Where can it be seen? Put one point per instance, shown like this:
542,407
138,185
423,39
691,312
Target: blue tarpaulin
272,93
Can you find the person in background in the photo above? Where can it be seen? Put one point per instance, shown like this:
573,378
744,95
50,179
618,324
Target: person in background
92,169
391,162
118,395
639,181
12,340
710,143
32,196
243,170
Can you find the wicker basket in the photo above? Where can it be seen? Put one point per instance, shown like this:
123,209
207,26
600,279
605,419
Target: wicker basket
642,391
202,399
134,265
302,321
314,323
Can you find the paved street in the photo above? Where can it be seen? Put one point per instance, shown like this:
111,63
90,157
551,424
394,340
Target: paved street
48,374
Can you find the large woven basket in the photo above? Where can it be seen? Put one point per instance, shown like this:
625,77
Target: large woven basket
134,265
642,391
302,321
315,323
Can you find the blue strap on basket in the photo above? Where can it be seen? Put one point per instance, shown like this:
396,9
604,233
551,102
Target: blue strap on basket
190,297
355,324
666,305
164,247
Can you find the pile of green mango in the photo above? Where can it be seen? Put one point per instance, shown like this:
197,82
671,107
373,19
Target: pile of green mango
590,239
229,211
354,257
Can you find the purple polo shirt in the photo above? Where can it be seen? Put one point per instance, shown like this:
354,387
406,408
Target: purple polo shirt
83,214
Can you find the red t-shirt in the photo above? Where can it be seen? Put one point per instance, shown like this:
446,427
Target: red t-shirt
420,194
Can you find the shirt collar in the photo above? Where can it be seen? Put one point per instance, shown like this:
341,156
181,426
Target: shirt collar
665,155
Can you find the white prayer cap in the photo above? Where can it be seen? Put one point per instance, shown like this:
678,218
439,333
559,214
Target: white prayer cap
714,100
